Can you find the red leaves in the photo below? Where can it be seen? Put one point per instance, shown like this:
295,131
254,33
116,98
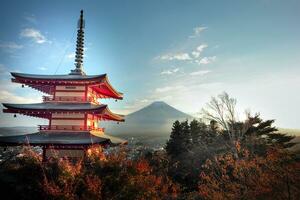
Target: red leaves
142,166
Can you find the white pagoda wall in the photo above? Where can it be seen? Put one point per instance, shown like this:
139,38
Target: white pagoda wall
69,94
68,120
67,115
70,91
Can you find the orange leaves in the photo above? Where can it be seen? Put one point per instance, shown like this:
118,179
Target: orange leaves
142,166
237,145
96,152
147,184
93,187
51,189
249,177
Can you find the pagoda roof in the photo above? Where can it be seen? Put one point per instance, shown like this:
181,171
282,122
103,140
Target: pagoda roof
44,110
57,106
46,83
65,77
59,138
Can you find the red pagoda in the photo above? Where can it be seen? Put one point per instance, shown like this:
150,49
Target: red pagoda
71,106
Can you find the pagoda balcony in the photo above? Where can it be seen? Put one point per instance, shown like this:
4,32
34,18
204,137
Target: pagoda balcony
69,128
68,99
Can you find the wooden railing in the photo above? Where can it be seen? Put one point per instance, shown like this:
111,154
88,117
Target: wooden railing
68,128
50,98
69,99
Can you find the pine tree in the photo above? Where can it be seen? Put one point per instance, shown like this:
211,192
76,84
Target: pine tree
174,143
186,137
281,139
262,134
202,134
195,131
180,139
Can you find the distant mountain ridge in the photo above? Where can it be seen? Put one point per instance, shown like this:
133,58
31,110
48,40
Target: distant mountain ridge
156,112
156,118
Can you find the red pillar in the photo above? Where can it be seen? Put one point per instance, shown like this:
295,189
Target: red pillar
85,121
54,92
85,93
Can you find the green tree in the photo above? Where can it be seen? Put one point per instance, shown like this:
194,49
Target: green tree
180,139
196,128
186,136
260,135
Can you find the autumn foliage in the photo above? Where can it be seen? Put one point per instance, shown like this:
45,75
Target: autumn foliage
115,177
275,176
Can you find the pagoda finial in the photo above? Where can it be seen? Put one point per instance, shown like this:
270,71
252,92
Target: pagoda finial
79,48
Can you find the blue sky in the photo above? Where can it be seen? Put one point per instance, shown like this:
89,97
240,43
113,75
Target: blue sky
181,52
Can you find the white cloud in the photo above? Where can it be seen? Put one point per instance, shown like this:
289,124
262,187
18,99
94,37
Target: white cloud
192,56
31,18
10,46
168,72
6,96
71,55
206,60
200,72
197,31
42,68
201,47
9,97
175,56
144,100
168,88
164,89
196,53
34,34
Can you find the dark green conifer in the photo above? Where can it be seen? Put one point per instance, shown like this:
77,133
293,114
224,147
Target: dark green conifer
174,143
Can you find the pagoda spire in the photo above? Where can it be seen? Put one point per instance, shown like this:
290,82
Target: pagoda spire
79,47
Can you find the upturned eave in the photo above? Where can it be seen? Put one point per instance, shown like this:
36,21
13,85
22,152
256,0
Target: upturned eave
44,110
